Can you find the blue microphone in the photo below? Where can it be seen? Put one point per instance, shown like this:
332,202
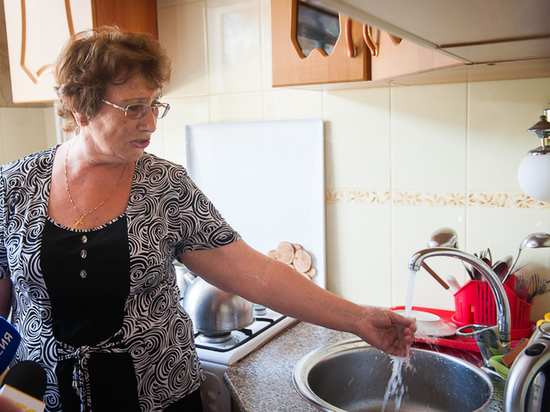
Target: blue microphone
9,342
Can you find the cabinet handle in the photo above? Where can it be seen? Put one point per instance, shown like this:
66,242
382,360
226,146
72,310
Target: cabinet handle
371,44
349,37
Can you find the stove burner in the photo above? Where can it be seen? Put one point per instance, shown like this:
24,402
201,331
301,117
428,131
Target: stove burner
214,337
223,342
259,310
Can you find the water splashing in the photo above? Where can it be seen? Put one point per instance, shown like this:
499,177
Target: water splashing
395,385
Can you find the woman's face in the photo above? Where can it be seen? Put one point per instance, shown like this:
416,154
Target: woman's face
113,136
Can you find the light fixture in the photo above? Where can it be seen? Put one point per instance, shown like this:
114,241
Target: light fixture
534,170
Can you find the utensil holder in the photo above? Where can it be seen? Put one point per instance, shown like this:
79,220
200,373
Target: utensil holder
475,304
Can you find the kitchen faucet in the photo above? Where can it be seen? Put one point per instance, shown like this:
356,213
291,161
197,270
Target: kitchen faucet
492,340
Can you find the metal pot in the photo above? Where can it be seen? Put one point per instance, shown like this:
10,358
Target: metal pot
214,311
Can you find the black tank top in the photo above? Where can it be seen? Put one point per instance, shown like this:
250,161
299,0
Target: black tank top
87,273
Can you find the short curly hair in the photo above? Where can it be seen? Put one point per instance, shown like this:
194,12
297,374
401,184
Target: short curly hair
93,59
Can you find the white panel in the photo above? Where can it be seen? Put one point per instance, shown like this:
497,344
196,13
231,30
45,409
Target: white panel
267,180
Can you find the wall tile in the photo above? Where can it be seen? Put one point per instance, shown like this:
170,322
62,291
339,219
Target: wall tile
358,252
267,69
357,139
234,47
182,31
191,110
239,107
499,115
428,130
51,124
292,104
23,132
502,230
157,142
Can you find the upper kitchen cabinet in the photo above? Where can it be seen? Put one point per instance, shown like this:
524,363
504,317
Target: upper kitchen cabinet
490,32
397,59
313,45
37,30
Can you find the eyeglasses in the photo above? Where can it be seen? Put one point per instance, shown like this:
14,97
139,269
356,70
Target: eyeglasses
137,111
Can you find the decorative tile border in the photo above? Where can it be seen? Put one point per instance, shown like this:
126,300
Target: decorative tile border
438,199
357,196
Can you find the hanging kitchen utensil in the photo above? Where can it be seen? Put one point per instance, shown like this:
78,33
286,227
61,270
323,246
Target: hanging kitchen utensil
444,237
532,241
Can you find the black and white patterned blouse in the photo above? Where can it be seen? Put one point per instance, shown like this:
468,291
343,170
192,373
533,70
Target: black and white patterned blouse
166,216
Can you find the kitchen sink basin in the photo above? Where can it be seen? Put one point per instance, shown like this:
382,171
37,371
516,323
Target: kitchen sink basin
352,376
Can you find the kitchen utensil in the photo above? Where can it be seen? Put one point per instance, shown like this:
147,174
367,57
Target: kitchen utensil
521,288
532,241
537,288
444,237
435,275
447,237
501,269
213,311
525,386
533,284
484,255
453,283
437,328
420,315
509,260
430,324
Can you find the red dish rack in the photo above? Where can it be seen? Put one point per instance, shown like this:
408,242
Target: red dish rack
475,304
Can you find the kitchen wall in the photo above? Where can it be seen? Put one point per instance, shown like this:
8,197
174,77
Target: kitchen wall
401,162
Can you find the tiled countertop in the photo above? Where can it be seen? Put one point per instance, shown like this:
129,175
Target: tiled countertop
262,382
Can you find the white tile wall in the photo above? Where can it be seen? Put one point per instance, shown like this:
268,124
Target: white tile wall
401,162
428,135
24,131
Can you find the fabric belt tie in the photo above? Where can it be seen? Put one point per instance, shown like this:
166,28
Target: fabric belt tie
81,376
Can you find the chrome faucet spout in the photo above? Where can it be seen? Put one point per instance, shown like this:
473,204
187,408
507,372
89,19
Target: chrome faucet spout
501,299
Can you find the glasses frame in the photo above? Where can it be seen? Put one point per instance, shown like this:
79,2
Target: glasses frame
151,106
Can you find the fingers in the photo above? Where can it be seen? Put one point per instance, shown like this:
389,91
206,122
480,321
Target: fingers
402,320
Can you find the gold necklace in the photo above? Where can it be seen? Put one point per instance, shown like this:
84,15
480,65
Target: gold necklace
79,221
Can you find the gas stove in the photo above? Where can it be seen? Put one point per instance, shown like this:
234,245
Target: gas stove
228,348
218,352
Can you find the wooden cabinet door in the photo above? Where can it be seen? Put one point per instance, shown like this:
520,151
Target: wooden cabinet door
38,29
290,67
131,15
404,59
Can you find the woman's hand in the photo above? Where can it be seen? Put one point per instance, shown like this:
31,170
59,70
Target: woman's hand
387,330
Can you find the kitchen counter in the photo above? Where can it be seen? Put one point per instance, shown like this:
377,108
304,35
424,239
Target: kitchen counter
262,382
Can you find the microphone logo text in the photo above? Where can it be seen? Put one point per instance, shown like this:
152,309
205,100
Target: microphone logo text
6,340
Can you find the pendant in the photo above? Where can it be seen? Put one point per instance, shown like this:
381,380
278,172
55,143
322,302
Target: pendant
77,222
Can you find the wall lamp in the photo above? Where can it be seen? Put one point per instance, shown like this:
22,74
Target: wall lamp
534,170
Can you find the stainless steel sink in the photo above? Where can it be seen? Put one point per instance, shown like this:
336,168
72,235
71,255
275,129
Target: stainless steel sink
351,376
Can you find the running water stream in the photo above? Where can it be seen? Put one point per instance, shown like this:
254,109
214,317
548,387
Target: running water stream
395,385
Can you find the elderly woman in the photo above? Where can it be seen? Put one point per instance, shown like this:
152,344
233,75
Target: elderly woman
89,230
